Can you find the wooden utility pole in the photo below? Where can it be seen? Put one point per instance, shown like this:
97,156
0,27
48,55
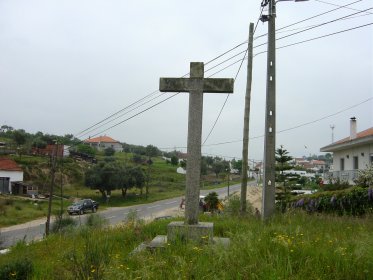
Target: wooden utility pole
53,171
245,146
269,190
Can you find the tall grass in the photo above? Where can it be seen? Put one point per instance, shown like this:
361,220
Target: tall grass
291,246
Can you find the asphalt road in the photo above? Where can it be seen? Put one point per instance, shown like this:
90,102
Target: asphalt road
35,230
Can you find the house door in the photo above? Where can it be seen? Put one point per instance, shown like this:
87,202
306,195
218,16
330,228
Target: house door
4,184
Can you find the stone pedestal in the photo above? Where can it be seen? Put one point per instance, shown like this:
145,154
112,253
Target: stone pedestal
200,233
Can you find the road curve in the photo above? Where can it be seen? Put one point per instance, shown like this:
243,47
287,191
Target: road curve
35,230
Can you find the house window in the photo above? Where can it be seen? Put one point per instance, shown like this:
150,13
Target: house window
356,163
342,164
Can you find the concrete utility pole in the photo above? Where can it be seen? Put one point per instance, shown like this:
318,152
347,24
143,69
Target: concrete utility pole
245,146
269,190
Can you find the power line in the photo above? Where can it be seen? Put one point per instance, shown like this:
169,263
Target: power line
226,99
143,111
336,5
318,25
300,28
121,115
154,92
290,128
326,35
312,17
116,113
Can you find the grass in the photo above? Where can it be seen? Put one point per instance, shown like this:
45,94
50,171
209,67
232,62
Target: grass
17,211
291,246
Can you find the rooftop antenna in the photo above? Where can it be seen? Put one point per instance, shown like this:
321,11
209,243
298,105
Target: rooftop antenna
332,127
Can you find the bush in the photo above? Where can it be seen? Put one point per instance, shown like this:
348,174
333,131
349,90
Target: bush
212,201
95,221
232,207
356,201
365,177
63,224
19,269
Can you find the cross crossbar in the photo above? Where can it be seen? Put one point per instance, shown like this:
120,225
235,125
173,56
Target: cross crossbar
218,85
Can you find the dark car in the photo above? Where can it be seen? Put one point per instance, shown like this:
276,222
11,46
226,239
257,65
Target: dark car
82,206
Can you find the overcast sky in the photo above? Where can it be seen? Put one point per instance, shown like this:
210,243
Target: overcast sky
66,65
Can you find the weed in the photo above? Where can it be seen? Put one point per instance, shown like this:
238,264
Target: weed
95,221
91,260
63,224
18,269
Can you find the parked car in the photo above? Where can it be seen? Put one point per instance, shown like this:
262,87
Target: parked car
82,206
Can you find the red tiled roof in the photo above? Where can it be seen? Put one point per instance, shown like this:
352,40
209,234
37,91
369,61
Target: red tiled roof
364,133
9,165
318,162
100,139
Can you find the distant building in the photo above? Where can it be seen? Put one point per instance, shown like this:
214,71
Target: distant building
318,164
103,142
352,153
51,149
9,172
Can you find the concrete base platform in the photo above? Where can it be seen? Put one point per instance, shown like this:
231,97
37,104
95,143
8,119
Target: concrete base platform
159,241
200,233
223,241
178,231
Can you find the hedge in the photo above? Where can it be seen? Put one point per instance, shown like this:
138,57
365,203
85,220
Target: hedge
355,201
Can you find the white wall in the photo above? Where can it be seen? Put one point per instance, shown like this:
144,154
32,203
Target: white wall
13,175
362,152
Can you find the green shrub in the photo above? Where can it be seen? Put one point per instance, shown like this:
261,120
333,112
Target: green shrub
95,221
91,260
232,206
63,224
365,177
356,201
19,269
212,201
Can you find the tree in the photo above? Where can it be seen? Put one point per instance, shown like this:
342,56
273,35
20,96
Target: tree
108,152
237,164
19,137
212,201
183,163
137,159
174,160
138,177
85,149
282,158
219,167
152,151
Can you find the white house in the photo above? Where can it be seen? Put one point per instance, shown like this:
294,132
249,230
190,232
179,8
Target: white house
352,153
9,172
103,142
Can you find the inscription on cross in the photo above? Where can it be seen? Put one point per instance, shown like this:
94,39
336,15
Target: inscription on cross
196,85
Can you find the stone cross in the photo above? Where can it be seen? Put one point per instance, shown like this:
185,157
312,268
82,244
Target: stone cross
196,85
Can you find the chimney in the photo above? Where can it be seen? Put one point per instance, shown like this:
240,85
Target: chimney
352,128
